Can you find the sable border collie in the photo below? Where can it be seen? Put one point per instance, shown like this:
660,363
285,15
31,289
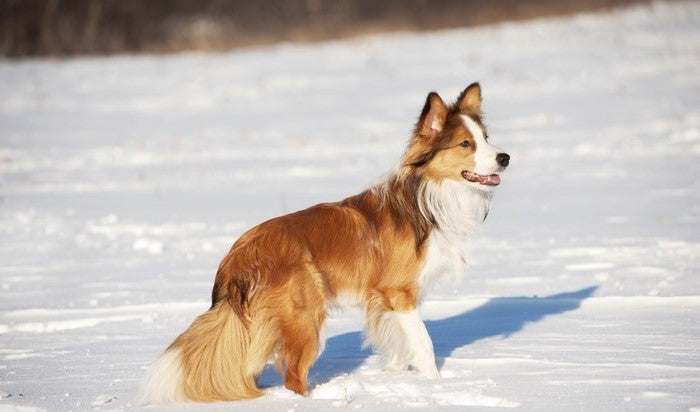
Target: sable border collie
377,249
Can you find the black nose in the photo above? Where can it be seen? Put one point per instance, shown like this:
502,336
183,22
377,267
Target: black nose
503,159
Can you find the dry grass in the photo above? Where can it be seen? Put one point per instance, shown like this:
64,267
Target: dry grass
70,27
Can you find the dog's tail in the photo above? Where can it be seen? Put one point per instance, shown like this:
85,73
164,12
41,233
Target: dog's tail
210,361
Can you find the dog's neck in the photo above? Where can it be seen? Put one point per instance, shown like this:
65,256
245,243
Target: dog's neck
451,207
455,208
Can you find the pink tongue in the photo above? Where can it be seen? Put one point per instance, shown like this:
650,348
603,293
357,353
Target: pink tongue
491,180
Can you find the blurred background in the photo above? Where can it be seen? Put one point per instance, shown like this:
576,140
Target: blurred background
69,27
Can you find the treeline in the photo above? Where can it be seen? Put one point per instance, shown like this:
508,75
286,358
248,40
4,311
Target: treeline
69,27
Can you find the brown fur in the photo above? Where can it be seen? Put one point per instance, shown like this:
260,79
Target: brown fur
271,290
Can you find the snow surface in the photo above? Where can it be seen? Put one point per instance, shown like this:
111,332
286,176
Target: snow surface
124,180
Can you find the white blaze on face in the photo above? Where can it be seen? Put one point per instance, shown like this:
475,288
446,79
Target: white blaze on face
485,155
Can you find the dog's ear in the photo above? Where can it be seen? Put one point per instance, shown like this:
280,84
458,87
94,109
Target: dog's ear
432,118
469,101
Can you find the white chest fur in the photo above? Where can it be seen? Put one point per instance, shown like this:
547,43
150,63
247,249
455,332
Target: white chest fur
443,255
455,206
457,209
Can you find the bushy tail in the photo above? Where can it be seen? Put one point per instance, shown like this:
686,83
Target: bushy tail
208,362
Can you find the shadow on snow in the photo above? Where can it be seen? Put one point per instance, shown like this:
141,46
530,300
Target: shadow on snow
497,317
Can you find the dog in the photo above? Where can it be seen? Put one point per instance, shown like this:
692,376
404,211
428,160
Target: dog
378,249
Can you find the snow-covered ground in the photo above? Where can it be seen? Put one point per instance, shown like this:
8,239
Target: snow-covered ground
124,180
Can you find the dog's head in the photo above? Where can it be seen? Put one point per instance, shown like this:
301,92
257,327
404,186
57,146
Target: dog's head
450,142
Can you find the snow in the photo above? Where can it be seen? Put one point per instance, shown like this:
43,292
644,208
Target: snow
124,180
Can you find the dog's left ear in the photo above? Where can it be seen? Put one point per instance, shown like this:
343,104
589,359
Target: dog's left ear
470,100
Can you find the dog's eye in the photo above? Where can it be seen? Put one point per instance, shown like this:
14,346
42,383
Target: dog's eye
465,143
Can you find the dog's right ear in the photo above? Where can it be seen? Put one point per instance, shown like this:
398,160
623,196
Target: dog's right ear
432,118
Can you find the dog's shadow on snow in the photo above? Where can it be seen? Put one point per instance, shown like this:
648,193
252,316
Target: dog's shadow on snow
497,317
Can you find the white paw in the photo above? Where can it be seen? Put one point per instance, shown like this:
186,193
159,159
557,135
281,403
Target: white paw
394,367
427,370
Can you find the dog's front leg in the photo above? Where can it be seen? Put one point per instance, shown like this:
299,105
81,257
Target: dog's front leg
418,344
401,337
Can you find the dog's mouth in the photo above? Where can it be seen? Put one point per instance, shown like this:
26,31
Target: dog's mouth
487,180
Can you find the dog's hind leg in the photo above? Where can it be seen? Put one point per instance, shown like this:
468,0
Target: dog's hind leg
300,326
300,345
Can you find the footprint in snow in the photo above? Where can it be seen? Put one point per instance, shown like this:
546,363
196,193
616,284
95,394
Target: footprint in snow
104,400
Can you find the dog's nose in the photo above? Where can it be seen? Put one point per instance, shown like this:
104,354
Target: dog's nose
503,159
